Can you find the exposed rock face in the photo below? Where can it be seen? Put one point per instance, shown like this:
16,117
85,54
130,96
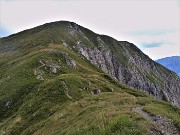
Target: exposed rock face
139,71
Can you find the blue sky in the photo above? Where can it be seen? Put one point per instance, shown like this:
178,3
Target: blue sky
152,25
152,32
4,32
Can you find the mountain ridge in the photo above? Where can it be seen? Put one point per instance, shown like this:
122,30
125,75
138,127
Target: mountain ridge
172,63
93,46
65,79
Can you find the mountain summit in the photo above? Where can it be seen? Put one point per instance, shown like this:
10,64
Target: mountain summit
61,78
120,59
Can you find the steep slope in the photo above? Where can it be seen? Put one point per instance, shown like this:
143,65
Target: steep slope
52,90
172,63
50,84
120,59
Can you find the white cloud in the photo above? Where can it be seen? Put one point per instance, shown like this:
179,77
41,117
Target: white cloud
163,51
169,44
114,18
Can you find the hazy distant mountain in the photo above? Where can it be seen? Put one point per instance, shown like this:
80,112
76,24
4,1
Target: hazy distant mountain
63,79
172,63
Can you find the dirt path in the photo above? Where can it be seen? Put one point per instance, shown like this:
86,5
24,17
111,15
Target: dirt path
164,125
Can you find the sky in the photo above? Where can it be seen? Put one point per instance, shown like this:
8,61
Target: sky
152,25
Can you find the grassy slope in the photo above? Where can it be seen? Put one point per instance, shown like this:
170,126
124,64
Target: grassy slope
43,107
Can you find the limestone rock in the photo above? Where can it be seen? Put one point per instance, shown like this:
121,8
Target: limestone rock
135,70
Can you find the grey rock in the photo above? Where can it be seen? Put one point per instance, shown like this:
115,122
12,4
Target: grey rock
139,71
69,61
8,103
95,92
163,124
53,69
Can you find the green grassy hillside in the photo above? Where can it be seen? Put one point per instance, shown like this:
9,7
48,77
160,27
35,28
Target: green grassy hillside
50,89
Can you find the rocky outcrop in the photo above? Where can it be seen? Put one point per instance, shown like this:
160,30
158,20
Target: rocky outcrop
54,66
70,62
135,69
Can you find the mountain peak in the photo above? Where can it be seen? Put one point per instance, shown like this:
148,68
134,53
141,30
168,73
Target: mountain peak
56,77
120,59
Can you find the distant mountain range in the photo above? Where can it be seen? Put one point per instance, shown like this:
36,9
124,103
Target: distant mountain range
172,63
